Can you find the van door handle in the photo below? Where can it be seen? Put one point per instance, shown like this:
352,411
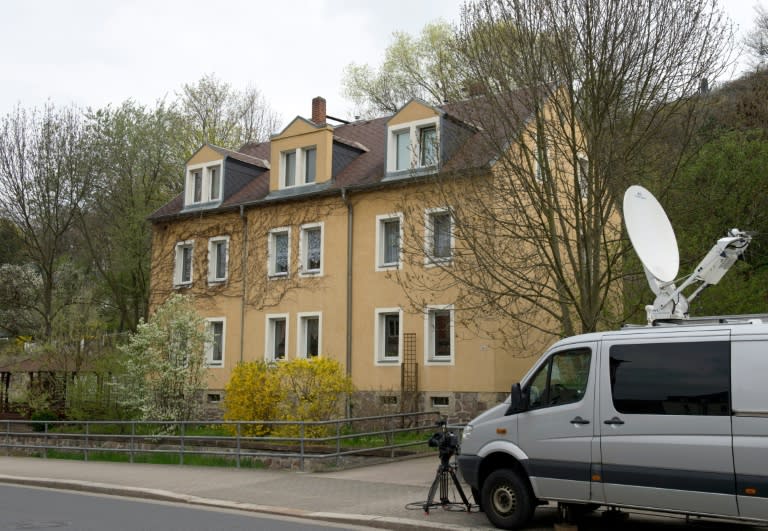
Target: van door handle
579,420
614,421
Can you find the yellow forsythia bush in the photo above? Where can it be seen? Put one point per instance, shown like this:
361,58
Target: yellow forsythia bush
300,389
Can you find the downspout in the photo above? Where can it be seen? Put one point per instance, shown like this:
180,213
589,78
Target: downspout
345,198
245,278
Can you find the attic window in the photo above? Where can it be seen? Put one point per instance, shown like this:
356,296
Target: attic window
413,146
298,167
203,183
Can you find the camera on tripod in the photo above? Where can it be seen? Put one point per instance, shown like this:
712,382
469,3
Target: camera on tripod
445,441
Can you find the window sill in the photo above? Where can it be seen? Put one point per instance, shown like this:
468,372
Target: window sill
219,365
313,273
388,362
182,286
440,361
217,282
388,267
277,276
438,262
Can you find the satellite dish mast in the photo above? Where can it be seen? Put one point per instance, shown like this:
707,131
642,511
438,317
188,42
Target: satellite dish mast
654,241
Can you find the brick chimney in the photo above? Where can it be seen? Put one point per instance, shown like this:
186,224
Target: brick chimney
318,110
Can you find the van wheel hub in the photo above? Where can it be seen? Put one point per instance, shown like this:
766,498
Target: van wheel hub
504,499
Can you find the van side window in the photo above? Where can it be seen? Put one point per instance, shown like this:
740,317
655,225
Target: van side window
671,378
561,380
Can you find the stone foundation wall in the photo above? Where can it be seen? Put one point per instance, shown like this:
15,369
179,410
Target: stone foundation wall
459,407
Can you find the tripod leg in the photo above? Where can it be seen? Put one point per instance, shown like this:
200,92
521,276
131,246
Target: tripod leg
461,491
432,490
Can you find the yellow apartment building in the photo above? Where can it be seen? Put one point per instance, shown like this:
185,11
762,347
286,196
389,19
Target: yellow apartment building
301,246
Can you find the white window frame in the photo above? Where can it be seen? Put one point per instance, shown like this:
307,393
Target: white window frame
206,196
379,336
429,233
272,252
178,268
414,130
303,249
212,243
429,336
269,335
209,361
301,333
300,177
381,242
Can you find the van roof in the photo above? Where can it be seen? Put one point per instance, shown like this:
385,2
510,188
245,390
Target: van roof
753,323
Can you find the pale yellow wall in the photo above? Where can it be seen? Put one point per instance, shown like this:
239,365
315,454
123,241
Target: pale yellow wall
204,154
412,112
301,134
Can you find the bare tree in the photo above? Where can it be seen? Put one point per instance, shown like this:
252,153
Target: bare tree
45,175
756,40
538,237
213,112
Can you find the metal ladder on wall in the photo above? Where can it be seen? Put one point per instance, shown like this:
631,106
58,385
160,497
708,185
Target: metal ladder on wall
409,375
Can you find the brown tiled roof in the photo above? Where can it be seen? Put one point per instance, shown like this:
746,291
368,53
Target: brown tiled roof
369,136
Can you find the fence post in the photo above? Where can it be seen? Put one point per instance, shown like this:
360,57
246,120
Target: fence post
338,443
301,459
181,445
391,437
238,444
7,437
45,440
133,439
87,432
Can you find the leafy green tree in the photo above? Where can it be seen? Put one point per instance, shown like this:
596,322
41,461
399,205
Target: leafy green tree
133,149
164,364
424,67
716,191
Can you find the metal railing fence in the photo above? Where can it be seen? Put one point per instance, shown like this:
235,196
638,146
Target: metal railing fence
384,436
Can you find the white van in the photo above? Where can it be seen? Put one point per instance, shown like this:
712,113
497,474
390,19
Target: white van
671,417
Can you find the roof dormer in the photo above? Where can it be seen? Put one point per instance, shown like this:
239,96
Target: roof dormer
301,154
212,174
413,139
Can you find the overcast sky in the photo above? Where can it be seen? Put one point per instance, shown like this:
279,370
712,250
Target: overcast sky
96,52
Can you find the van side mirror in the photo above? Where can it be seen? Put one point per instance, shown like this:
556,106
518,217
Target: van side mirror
518,400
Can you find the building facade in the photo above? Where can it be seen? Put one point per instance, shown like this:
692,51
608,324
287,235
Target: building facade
304,246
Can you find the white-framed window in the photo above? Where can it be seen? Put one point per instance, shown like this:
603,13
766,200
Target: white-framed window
402,149
388,346
413,145
182,271
438,235
311,249
218,259
214,347
389,235
439,339
309,339
279,251
428,145
298,167
276,337
204,183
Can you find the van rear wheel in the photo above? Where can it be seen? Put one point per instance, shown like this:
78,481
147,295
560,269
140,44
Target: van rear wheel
507,499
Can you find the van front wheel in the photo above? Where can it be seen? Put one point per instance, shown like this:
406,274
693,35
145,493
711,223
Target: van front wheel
506,499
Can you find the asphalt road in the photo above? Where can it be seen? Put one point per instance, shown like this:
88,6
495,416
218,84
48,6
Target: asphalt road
32,508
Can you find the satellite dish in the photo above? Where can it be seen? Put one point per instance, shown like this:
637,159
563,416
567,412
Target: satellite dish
651,234
654,241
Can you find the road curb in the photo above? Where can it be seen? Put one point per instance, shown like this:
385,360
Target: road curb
383,522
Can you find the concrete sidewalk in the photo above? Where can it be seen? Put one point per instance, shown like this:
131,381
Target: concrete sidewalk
375,496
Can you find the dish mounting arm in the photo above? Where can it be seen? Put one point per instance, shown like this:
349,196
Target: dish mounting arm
670,302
